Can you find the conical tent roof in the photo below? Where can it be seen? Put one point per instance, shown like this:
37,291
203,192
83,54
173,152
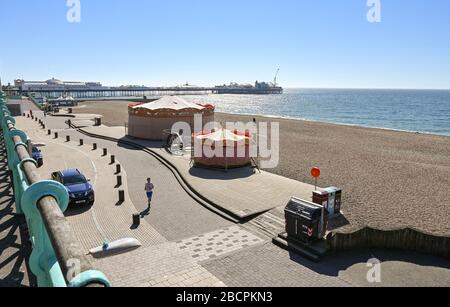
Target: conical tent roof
170,103
222,135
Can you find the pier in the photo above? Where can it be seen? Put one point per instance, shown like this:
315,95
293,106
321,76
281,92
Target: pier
55,88
147,91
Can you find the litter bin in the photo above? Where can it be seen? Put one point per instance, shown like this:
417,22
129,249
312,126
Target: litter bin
320,197
305,221
334,200
338,203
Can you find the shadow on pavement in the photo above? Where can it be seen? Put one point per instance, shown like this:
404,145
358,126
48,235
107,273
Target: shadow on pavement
218,174
334,264
77,210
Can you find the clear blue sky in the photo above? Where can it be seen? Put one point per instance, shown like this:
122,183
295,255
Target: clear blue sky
316,43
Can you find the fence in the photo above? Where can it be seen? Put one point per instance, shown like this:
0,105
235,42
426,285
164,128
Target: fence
57,259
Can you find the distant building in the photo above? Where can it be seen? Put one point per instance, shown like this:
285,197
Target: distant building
55,85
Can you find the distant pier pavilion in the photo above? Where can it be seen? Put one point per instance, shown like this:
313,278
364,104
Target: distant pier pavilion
55,88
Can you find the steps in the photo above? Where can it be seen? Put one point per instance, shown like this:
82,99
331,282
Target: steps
314,251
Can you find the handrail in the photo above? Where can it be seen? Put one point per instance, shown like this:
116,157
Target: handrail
57,260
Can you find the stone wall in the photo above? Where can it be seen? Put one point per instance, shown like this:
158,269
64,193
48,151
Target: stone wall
402,239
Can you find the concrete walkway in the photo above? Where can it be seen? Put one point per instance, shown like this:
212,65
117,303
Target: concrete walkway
243,192
92,226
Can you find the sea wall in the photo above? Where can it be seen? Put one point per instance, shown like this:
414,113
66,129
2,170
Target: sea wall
401,239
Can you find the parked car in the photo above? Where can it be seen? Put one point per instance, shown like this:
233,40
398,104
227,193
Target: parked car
80,190
36,154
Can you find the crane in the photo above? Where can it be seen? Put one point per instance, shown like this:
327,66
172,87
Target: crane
275,79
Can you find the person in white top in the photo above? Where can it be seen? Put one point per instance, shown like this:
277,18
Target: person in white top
149,187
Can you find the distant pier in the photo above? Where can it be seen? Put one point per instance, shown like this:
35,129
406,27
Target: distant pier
148,91
55,88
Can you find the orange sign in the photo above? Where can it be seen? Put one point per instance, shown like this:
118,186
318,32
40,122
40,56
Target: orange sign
315,172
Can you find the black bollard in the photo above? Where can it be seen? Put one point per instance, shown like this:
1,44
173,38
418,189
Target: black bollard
67,138
113,159
105,152
121,195
49,132
94,146
119,181
136,220
81,142
56,135
118,169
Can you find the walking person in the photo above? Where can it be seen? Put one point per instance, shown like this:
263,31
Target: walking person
149,187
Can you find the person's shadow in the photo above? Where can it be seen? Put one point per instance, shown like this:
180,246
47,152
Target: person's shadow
146,212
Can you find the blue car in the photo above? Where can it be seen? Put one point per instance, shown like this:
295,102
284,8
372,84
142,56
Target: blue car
36,154
80,190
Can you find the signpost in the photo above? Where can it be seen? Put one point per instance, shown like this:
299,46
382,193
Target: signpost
315,172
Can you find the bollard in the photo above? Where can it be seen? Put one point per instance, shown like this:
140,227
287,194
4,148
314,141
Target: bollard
81,142
28,115
43,126
113,159
67,138
49,132
24,115
56,135
121,195
119,181
94,146
136,219
105,152
118,169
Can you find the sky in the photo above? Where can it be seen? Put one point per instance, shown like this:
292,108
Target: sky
315,43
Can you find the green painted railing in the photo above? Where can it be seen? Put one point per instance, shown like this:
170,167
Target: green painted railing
56,259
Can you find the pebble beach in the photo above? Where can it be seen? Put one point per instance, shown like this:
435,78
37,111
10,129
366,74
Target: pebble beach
390,179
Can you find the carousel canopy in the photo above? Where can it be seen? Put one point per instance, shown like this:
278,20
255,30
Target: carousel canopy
170,103
222,135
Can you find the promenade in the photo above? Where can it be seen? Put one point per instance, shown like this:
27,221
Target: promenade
187,244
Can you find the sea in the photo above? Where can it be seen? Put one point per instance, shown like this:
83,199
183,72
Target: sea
423,111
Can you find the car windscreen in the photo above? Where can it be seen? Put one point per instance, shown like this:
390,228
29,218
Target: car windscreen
73,180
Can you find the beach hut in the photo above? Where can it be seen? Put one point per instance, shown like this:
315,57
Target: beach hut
222,149
151,120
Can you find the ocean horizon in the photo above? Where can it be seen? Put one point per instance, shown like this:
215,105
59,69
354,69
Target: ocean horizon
419,110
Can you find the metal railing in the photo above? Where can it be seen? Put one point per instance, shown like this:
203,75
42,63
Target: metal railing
57,260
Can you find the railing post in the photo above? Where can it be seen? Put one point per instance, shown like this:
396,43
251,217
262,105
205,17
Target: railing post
43,261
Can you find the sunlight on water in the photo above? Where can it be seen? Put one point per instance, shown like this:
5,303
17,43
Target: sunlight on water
425,111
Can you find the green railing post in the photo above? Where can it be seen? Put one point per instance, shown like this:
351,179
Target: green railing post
43,257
